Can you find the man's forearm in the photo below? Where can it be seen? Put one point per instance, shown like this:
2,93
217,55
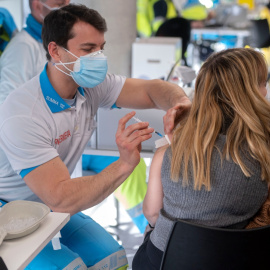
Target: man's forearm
78,194
165,95
52,184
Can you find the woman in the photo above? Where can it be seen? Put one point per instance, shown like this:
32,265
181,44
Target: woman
216,172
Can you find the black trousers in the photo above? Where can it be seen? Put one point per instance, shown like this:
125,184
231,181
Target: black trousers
148,256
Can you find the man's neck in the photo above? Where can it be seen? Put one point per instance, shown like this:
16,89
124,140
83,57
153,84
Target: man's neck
63,84
37,17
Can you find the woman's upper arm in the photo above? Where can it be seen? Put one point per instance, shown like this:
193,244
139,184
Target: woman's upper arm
153,200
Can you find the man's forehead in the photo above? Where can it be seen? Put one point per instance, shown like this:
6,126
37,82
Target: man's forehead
85,35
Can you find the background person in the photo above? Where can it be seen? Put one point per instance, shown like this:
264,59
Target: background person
8,28
24,57
216,171
151,14
265,14
46,124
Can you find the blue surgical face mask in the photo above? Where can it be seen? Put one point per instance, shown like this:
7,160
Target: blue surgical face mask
89,70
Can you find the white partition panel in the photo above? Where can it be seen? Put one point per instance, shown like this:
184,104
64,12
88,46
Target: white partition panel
108,122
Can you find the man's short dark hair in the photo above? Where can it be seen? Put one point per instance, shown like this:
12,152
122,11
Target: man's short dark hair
58,24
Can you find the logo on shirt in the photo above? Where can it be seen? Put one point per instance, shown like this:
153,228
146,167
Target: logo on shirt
62,137
52,100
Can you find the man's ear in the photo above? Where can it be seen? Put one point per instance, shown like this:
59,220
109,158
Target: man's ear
36,6
36,10
54,51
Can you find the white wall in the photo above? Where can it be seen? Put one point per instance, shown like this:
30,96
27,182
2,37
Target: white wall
15,7
120,16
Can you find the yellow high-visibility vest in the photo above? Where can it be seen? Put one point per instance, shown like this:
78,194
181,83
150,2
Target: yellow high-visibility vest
147,24
195,12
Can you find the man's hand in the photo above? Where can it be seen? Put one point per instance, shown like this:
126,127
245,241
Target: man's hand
176,114
129,139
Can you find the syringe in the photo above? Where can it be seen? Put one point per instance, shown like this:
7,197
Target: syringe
138,120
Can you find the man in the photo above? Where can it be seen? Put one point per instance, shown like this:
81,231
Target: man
46,124
24,57
151,14
8,28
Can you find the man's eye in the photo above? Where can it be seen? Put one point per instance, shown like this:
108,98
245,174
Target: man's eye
88,50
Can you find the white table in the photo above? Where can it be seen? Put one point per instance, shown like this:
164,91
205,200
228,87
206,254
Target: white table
18,253
102,152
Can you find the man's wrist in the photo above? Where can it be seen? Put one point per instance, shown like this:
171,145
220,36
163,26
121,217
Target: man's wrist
125,167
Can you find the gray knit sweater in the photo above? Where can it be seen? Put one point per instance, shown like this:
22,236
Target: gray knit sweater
232,201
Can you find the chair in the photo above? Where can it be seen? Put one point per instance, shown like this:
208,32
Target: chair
259,34
196,247
176,27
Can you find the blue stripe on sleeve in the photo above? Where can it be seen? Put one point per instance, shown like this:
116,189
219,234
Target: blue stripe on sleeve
24,172
115,107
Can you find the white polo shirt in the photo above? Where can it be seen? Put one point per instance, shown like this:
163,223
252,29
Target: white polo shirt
22,59
36,125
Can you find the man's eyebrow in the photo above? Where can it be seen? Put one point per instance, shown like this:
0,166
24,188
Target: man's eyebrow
89,44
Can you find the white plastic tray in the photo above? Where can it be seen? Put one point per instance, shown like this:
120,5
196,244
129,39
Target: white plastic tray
19,218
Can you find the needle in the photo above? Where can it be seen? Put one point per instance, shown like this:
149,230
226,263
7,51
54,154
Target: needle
138,120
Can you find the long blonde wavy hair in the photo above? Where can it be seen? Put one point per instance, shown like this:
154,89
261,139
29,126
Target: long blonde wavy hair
227,100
